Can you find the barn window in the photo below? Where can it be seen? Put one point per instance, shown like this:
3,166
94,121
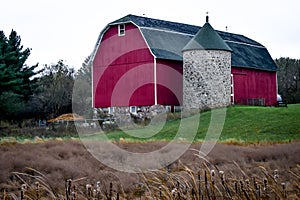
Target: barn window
111,110
121,29
168,108
177,108
133,109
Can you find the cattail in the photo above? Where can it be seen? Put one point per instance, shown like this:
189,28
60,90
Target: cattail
23,190
205,178
212,172
74,193
256,185
160,192
258,191
265,184
94,193
37,190
199,183
98,190
110,190
257,188
173,191
276,176
242,185
236,186
140,190
4,195
222,175
247,183
284,190
88,190
254,181
68,185
98,185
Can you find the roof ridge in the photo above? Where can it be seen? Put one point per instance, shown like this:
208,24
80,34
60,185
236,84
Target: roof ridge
189,29
170,31
243,43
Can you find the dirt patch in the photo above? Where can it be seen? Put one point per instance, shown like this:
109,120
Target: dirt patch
60,161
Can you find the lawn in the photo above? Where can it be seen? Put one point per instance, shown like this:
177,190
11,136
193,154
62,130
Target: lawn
243,124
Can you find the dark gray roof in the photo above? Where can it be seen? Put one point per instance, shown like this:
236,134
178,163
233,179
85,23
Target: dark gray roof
207,39
167,39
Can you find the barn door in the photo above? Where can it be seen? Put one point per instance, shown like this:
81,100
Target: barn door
240,88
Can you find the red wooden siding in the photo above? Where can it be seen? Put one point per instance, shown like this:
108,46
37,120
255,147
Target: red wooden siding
169,82
123,70
123,75
250,83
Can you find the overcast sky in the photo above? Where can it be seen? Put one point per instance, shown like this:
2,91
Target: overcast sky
68,29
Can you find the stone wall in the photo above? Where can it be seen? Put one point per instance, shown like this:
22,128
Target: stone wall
206,79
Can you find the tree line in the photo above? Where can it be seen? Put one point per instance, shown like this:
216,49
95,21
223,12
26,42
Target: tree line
31,93
35,93
288,79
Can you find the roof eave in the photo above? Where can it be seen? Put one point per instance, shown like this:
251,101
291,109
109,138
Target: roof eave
209,49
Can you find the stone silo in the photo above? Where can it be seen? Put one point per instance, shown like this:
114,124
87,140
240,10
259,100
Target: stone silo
206,70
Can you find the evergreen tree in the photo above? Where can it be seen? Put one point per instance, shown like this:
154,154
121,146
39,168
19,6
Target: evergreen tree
16,79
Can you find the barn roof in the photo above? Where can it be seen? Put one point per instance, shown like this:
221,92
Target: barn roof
167,39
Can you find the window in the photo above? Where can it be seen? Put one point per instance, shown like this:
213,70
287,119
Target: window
177,108
111,110
168,108
133,109
121,29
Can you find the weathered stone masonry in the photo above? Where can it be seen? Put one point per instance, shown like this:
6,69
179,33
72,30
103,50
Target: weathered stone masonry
206,81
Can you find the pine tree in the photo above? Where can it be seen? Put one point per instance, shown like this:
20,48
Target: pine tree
16,78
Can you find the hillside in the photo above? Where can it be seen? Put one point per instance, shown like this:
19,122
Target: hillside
243,124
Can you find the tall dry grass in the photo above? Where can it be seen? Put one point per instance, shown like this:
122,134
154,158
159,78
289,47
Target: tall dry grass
65,170
209,182
206,181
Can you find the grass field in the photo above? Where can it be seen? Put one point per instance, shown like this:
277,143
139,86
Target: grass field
243,124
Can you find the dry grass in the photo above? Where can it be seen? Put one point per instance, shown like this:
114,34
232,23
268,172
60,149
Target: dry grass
206,182
65,170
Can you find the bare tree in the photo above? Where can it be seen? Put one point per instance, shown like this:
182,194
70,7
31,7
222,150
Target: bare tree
55,89
82,91
288,78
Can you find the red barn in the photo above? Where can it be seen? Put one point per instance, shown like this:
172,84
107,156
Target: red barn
138,61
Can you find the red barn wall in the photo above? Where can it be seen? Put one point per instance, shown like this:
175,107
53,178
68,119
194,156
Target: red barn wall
169,82
250,83
120,65
123,75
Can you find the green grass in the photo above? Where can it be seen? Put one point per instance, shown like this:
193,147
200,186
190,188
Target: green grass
243,124
262,124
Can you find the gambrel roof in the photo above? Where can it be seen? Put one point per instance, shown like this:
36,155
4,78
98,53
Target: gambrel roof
166,40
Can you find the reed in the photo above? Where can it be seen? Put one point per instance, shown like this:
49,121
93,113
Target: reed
182,182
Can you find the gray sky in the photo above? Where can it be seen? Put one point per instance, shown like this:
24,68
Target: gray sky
68,29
